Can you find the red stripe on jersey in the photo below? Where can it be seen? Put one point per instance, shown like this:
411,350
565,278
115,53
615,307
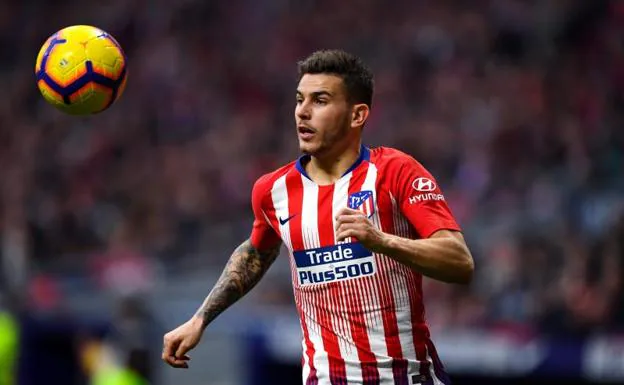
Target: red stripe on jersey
391,329
325,221
368,362
337,368
420,332
387,301
312,378
294,188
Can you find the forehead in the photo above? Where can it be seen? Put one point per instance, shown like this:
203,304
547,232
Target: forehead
311,83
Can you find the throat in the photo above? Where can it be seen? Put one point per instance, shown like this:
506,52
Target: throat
327,170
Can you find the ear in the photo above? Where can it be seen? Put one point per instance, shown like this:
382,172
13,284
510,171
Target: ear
359,115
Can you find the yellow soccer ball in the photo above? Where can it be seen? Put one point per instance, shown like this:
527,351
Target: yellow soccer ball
81,70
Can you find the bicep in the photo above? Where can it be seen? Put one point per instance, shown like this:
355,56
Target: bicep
453,235
263,255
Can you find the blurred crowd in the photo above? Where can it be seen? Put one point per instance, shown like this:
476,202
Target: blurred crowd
516,106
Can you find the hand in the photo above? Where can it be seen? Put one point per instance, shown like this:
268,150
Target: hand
353,223
180,341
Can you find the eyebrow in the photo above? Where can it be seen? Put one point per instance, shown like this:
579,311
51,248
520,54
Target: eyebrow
316,93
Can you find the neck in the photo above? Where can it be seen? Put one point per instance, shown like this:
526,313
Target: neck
329,167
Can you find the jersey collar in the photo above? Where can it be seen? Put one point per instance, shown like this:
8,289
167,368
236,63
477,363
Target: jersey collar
364,156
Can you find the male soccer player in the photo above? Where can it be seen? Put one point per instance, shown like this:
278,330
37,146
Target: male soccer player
362,226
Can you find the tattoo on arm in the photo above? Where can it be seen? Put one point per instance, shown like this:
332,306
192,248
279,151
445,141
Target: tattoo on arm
245,268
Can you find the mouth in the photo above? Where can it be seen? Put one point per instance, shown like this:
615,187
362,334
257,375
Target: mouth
305,132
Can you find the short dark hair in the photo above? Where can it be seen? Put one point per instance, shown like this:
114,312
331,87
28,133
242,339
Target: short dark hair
356,75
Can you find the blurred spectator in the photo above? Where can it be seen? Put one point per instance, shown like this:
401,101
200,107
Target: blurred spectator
133,331
515,106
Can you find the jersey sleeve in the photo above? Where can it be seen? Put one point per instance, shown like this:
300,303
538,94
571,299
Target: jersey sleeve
421,200
263,236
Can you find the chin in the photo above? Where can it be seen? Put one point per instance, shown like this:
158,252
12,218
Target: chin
308,148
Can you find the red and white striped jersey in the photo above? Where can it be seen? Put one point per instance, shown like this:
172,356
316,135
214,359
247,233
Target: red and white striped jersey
362,313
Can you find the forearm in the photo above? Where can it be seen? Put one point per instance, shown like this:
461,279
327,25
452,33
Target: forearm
442,258
246,267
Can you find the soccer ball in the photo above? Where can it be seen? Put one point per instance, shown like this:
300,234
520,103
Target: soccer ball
81,70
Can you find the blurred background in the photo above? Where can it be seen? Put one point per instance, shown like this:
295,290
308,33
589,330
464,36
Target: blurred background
113,228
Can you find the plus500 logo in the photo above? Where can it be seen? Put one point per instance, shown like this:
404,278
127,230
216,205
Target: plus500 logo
338,273
334,263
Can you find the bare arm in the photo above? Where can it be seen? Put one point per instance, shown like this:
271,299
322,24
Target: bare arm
444,256
243,271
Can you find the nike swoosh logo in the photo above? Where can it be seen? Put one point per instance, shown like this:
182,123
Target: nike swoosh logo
283,221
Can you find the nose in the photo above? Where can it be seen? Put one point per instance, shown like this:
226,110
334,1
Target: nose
302,111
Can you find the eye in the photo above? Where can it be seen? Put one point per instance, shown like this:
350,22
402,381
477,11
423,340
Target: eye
321,102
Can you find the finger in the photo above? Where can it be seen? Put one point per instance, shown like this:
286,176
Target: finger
345,233
348,211
182,350
356,217
344,219
348,218
169,348
341,228
356,225
177,363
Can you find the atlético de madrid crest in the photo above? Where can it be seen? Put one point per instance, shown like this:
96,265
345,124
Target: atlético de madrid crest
363,201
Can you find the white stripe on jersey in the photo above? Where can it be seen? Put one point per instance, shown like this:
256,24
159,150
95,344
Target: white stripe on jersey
309,229
279,195
309,214
341,192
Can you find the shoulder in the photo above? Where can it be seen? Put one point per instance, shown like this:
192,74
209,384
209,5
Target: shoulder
264,183
393,160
